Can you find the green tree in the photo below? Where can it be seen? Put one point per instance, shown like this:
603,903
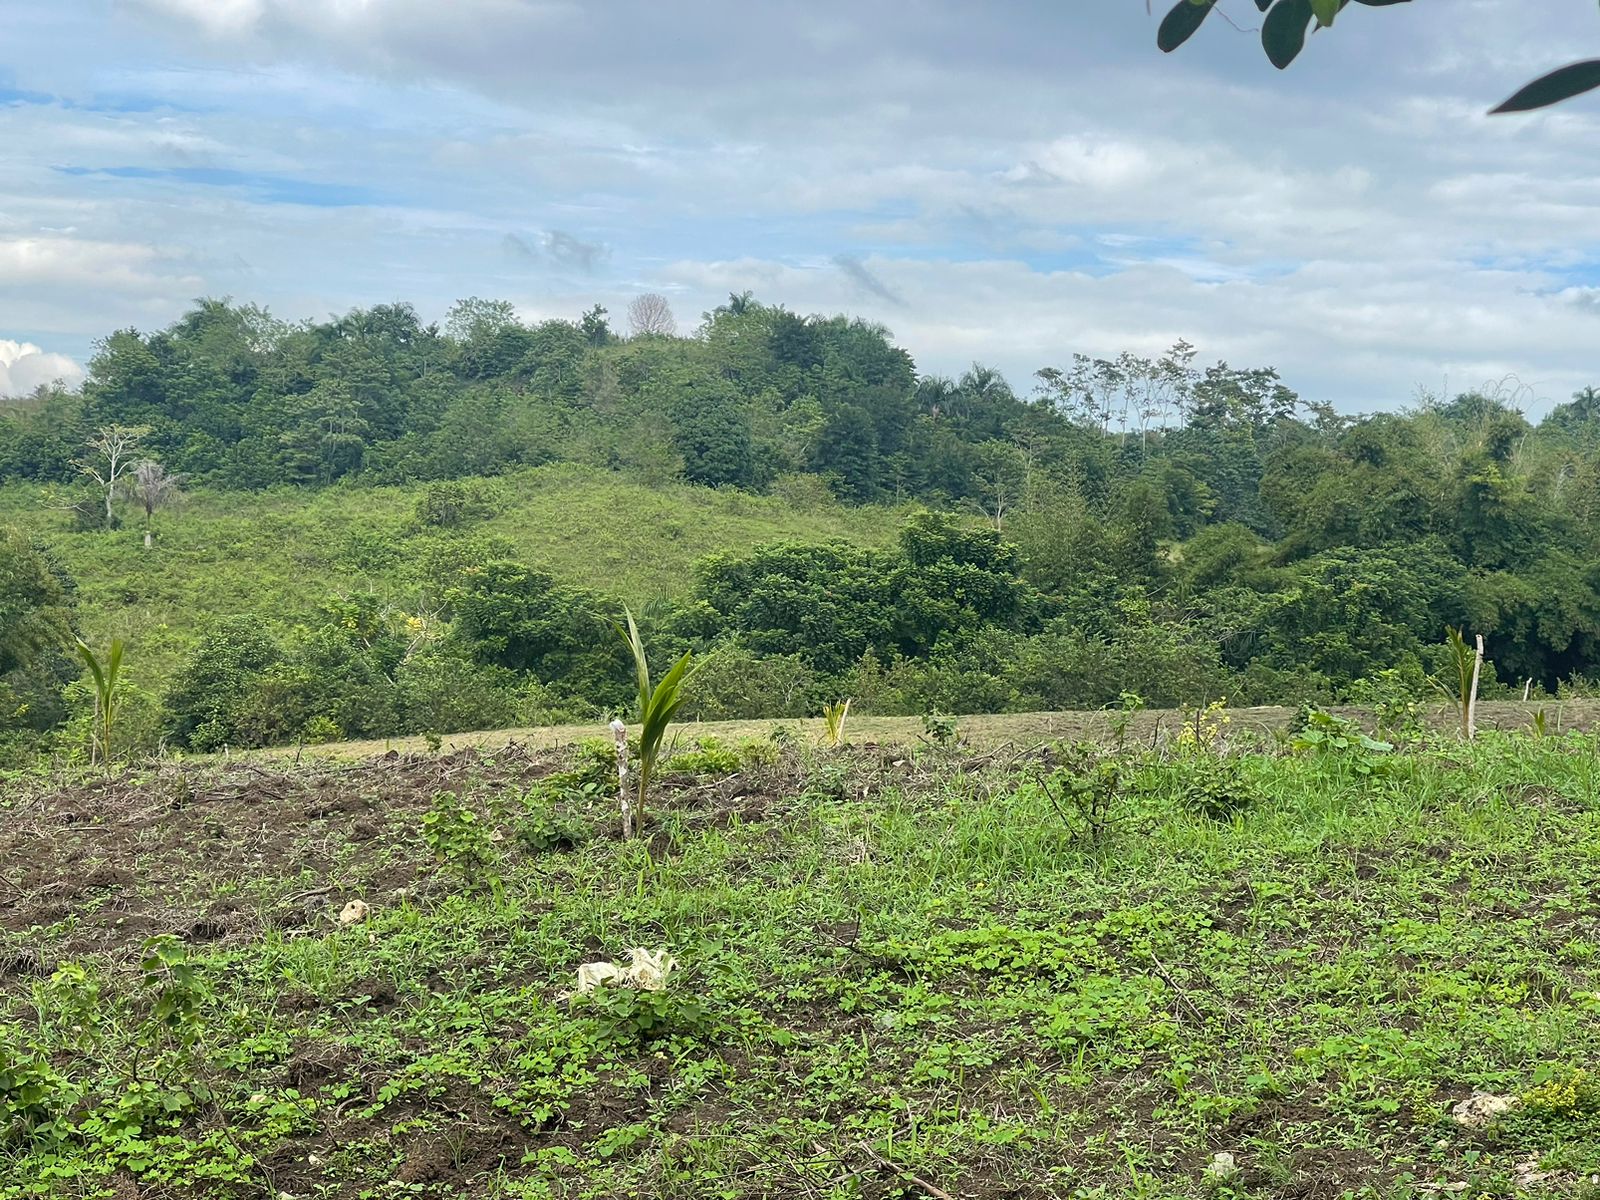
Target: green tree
36,636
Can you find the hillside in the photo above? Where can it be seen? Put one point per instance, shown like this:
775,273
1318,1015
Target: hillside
398,529
280,553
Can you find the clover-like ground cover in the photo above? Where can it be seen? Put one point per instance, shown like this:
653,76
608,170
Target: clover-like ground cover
900,973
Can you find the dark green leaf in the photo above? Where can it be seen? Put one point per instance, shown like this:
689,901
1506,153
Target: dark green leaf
1571,80
1283,33
1180,23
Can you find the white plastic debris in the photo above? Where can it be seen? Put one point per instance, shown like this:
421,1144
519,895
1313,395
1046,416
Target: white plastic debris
1222,1166
355,911
1478,1109
646,970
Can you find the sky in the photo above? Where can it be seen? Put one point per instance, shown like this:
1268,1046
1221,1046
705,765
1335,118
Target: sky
1007,183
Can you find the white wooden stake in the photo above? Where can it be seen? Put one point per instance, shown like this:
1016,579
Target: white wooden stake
1472,696
620,732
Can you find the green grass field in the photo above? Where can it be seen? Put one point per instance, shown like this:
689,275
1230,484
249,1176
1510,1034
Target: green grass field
901,973
280,553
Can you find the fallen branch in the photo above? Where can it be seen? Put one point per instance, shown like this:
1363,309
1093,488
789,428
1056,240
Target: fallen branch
938,1193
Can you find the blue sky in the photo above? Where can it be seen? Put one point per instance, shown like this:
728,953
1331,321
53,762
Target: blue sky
1008,183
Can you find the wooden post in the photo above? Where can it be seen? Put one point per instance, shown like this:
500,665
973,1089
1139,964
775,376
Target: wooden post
620,732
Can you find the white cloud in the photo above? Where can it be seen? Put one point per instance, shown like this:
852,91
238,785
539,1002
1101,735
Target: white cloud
24,367
66,260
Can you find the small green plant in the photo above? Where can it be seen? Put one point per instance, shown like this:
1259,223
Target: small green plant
1214,786
107,697
1129,705
709,757
543,830
1392,697
178,991
69,1001
658,704
1334,737
834,716
29,1089
632,1015
320,730
457,837
940,729
1564,1096
1206,733
1085,790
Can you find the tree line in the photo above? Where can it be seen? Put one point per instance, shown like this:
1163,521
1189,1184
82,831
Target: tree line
1141,524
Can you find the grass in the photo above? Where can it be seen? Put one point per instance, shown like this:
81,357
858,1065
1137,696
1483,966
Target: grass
901,974
280,553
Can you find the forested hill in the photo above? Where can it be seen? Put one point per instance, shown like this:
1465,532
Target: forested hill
1133,524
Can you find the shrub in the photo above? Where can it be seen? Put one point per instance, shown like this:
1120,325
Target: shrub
211,692
734,683
451,503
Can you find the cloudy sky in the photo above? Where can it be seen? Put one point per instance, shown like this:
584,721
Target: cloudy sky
1008,182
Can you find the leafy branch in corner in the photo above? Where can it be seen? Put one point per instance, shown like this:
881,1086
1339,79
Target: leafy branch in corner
1288,23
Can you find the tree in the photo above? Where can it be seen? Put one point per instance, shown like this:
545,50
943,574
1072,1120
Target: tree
1287,22
151,487
110,458
651,314
596,329
1000,473
35,632
476,319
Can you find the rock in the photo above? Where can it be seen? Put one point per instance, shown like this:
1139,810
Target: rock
1478,1109
1528,1172
355,911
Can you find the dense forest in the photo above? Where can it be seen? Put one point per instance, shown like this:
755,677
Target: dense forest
1131,525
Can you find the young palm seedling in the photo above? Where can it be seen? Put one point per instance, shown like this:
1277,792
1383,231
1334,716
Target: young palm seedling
1467,662
658,704
106,698
834,716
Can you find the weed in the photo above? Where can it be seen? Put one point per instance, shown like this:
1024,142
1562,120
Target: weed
174,984
632,1015
458,837
940,729
709,757
1330,737
542,830
1214,786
